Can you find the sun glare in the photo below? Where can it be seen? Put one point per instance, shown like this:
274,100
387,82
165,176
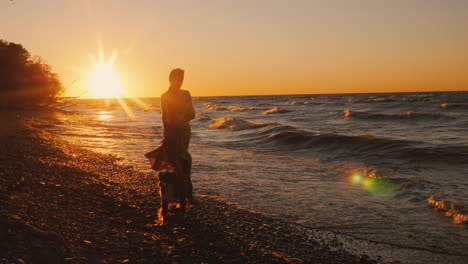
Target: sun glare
104,81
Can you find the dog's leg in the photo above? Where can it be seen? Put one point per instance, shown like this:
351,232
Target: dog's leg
183,209
162,214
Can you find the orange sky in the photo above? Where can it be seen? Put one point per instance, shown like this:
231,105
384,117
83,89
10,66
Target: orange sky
250,47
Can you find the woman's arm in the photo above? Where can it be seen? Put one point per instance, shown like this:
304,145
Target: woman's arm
164,112
190,108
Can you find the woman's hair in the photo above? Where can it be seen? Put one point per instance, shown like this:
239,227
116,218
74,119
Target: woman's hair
176,75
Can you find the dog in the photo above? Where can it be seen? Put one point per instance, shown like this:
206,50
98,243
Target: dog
170,199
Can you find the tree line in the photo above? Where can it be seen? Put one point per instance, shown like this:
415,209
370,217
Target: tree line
25,80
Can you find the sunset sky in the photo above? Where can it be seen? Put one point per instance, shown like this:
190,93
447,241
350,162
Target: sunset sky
243,47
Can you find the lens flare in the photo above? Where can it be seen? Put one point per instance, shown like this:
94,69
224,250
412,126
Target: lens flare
367,183
356,178
371,181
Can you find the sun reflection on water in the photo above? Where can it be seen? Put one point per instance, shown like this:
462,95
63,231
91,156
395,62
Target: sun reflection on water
104,115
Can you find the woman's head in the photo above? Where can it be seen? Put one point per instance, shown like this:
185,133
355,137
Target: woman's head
176,77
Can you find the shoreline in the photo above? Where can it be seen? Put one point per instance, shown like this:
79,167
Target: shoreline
61,203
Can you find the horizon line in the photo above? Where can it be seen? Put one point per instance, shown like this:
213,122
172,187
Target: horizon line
454,91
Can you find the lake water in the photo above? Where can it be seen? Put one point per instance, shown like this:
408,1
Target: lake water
386,174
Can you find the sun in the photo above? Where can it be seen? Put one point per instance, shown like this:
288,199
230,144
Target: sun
103,81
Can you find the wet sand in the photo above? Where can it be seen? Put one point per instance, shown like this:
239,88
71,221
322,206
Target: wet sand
60,203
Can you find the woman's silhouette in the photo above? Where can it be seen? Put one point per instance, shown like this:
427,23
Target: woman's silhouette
177,111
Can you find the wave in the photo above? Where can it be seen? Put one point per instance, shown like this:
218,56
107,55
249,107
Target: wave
399,116
419,98
448,209
305,139
396,100
275,110
367,146
216,107
454,105
297,102
202,117
380,100
235,124
241,108
152,108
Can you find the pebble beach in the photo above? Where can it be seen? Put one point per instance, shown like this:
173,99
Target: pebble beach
61,203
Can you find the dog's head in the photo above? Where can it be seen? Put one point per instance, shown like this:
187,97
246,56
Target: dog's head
167,186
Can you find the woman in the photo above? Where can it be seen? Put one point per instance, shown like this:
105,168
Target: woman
177,111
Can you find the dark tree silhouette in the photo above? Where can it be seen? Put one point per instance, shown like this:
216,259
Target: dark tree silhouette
25,80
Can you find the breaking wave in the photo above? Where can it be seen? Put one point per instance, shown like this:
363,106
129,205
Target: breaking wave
448,209
241,108
215,107
275,110
235,124
298,102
